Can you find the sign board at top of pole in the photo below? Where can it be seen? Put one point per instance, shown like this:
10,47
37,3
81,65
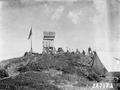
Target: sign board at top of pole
48,35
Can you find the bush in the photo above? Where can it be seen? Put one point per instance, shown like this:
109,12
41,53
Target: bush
3,73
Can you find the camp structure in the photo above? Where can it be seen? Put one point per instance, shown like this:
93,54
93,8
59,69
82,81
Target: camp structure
98,67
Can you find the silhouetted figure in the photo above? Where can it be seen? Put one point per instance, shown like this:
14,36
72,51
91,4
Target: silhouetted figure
93,57
77,51
94,52
83,52
89,49
26,53
68,51
60,50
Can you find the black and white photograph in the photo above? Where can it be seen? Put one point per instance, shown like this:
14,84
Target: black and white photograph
59,44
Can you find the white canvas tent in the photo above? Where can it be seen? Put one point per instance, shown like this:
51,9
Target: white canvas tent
98,67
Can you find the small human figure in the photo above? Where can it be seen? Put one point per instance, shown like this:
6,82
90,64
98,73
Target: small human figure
83,52
89,51
77,51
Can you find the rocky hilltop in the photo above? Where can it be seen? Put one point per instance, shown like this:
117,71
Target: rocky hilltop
60,71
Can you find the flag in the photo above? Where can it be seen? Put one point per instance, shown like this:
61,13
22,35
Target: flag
30,33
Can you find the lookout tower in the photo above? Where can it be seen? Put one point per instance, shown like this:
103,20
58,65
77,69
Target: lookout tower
48,42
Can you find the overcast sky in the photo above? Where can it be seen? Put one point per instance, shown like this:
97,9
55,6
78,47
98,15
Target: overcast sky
77,23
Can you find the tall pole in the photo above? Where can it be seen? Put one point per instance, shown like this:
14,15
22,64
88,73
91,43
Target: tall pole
31,43
30,37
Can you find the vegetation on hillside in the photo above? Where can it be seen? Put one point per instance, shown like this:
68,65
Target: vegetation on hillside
47,71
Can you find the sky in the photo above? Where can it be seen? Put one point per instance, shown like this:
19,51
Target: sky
77,23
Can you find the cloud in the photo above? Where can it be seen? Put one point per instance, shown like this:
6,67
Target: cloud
58,0
25,1
74,16
48,9
82,14
58,12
